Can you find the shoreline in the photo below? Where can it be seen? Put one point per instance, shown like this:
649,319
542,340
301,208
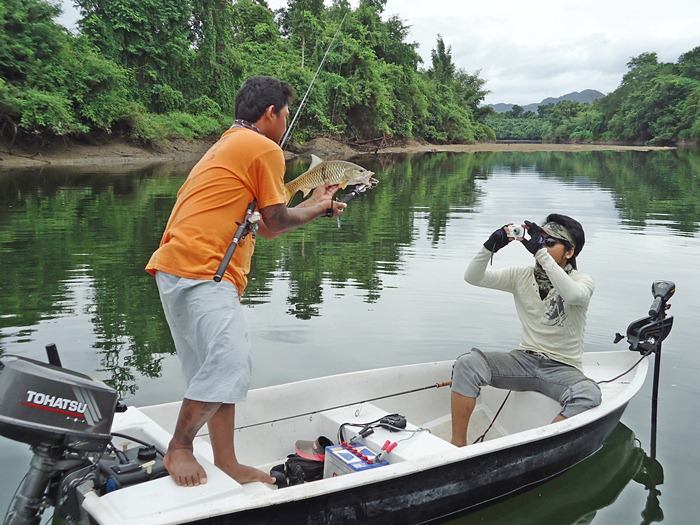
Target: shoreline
120,152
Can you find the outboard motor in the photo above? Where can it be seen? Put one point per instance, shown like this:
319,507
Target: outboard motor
65,417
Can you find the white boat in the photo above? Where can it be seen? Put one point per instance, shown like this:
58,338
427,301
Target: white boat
423,478
426,476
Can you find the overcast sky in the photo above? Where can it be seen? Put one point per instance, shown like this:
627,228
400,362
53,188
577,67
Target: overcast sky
527,51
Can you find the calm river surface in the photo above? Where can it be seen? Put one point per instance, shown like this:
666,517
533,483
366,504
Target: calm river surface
386,288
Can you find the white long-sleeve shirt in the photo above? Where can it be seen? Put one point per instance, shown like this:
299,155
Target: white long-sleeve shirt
554,325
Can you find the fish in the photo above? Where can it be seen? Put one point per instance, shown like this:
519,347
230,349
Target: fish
322,172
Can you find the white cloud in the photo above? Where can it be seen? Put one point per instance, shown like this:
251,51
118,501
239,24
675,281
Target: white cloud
527,51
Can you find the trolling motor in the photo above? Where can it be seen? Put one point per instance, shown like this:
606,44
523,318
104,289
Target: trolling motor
645,336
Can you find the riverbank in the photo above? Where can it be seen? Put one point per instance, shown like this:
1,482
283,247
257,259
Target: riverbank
119,152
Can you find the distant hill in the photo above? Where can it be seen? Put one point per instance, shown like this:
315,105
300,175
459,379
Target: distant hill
587,95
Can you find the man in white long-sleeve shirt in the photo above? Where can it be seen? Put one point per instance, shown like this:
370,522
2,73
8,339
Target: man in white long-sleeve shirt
551,299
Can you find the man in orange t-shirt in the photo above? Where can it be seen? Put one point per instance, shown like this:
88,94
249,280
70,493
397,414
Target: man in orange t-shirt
204,316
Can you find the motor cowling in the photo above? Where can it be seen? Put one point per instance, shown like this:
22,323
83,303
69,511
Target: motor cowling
46,404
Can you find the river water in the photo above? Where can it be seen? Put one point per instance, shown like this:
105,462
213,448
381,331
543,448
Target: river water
384,288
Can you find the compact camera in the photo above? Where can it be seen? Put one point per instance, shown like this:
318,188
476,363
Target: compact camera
515,231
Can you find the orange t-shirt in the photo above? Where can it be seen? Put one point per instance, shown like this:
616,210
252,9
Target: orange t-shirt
243,165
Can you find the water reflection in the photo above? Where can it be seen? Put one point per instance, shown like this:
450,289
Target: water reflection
576,496
74,243
386,288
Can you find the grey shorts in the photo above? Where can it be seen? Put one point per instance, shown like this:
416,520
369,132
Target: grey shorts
207,325
523,371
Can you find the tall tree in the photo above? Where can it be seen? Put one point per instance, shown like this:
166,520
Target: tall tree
443,69
302,22
218,65
689,64
150,37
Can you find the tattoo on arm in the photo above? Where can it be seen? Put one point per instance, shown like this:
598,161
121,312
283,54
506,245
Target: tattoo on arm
280,219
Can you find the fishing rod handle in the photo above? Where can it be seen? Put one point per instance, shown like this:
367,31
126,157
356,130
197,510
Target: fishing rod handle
347,198
350,196
234,243
227,259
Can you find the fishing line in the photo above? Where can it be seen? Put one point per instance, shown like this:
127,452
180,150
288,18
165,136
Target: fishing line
481,438
335,98
303,100
311,413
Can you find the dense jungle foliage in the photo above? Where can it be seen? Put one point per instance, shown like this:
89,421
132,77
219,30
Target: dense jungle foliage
154,69
151,70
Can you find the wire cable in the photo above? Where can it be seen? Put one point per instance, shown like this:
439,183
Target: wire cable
646,354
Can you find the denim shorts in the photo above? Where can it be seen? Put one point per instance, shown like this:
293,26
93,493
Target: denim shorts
208,329
525,371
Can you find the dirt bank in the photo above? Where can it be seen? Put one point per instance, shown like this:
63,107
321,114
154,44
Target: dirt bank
119,152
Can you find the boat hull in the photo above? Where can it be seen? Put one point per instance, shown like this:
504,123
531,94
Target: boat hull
441,491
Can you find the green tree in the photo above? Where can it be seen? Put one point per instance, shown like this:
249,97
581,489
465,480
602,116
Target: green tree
455,97
53,83
302,23
218,66
151,38
689,64
443,69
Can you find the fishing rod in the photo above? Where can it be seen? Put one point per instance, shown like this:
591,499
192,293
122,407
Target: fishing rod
250,224
311,413
303,100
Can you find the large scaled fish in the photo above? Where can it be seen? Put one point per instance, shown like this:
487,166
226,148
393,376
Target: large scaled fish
322,172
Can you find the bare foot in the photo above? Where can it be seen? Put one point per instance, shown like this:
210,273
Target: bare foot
245,474
183,468
459,443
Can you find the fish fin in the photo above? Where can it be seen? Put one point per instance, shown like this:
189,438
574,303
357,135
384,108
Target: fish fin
315,161
289,194
343,185
305,192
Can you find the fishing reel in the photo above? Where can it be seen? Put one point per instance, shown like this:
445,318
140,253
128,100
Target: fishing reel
250,225
645,335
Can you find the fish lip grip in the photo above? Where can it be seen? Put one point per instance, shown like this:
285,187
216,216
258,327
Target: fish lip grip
360,188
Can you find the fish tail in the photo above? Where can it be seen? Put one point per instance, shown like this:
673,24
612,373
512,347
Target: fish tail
289,194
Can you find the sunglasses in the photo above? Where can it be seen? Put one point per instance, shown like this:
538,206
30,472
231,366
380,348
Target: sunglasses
552,241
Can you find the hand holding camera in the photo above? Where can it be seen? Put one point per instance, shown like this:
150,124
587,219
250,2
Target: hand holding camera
502,236
510,232
535,242
496,241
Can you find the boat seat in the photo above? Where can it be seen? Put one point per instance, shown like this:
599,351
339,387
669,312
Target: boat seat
135,423
137,503
410,445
